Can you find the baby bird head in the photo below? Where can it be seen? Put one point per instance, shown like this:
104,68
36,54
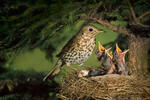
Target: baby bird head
119,59
90,30
103,50
119,52
119,55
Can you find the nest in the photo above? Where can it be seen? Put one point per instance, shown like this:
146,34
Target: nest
107,87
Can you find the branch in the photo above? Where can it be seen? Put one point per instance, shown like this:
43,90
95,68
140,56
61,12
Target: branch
134,16
94,1
117,29
132,11
142,25
144,14
26,12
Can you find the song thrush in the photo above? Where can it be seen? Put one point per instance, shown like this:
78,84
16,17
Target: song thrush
77,50
107,66
119,60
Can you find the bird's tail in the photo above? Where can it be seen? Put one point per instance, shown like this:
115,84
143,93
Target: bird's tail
54,71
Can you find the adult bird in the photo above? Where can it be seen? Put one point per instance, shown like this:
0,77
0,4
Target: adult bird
77,50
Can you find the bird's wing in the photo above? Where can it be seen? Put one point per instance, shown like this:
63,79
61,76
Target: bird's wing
70,44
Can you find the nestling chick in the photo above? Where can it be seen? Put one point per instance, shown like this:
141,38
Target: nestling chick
119,60
107,66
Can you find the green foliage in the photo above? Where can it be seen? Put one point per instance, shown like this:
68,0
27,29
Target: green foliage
35,24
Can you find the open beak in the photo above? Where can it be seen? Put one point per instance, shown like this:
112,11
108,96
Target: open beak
100,47
108,49
109,53
118,50
124,52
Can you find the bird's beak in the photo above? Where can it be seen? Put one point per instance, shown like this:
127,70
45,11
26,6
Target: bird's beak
125,51
100,31
108,49
100,47
118,50
109,53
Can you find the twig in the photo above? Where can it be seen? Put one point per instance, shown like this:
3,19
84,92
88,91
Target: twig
144,14
94,1
26,13
137,21
132,11
142,25
117,29
62,97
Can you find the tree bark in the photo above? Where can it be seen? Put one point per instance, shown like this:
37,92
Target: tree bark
138,54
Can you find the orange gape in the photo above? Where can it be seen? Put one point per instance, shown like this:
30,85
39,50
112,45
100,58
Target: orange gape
111,55
118,50
100,47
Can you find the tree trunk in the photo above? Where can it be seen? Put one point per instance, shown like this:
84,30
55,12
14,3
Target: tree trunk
138,54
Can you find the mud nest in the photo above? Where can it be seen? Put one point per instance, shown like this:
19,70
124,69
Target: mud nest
107,87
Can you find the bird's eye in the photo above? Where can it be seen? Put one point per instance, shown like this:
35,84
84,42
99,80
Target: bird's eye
90,29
